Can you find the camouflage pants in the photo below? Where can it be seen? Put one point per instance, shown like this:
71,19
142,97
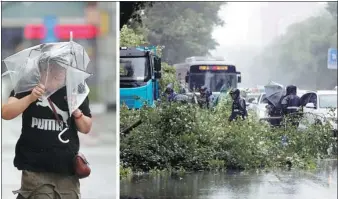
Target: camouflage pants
48,186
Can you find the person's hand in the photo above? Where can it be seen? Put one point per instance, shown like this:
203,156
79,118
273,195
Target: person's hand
37,92
77,113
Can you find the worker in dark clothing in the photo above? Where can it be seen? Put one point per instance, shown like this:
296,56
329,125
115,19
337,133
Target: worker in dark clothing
238,105
276,113
205,97
290,105
169,92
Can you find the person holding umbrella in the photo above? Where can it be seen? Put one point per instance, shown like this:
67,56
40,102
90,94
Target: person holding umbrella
274,94
47,164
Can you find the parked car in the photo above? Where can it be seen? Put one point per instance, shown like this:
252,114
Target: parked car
259,106
320,107
250,98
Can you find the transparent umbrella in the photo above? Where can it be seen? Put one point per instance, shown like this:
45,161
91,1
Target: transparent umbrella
55,65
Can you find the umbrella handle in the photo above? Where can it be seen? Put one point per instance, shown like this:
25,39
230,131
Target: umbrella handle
59,136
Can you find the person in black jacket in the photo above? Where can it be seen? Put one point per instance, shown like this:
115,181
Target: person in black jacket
290,105
169,92
276,112
205,97
238,105
46,163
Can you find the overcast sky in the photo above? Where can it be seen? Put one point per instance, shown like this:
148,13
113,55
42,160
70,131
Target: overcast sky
246,22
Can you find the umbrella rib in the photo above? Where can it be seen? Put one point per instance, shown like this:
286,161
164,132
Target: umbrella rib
72,67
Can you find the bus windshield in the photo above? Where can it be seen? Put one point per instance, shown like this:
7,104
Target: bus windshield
133,68
213,81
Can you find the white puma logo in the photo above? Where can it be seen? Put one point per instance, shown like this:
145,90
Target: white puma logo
45,103
46,124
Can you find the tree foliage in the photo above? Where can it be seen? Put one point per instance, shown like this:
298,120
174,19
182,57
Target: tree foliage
168,76
300,55
128,37
175,136
332,8
184,28
129,10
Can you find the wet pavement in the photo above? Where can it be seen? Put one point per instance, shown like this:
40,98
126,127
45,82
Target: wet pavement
98,146
293,184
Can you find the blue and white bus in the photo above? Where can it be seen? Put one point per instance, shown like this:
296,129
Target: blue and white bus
214,73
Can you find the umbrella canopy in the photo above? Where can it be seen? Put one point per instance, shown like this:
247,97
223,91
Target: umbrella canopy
54,65
274,92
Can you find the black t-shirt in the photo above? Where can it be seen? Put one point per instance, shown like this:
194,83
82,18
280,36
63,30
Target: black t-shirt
38,148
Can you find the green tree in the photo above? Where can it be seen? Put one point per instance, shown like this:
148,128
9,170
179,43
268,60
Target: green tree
129,10
128,37
184,28
332,8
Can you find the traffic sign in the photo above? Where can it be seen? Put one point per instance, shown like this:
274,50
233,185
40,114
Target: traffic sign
50,22
332,58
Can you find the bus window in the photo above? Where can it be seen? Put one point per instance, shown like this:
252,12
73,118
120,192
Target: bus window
134,68
213,81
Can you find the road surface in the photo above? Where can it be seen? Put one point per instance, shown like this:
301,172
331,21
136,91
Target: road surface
280,184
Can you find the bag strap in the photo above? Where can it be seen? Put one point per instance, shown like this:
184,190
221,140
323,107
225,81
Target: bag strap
58,119
54,110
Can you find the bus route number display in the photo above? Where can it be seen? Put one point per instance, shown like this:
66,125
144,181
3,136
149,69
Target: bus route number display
213,67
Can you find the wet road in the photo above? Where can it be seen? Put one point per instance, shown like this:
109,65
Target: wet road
98,147
319,184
